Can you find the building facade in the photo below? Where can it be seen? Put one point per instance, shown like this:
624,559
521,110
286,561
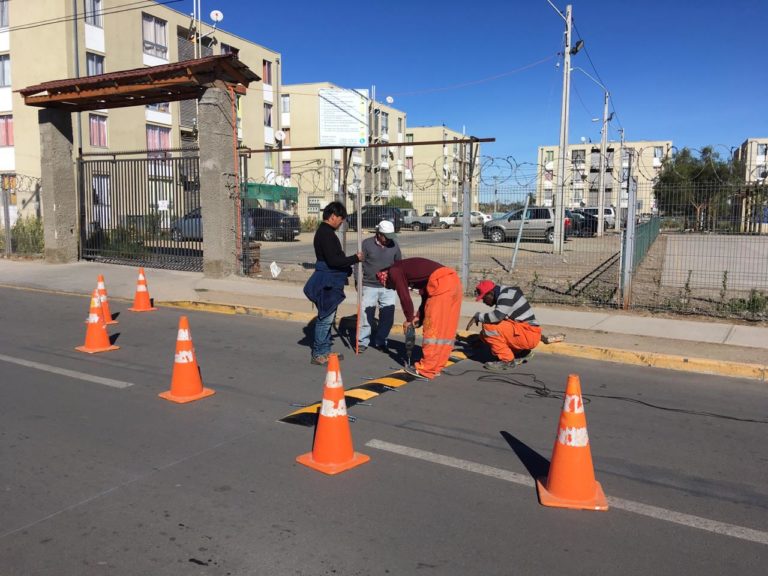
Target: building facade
628,165
41,41
753,153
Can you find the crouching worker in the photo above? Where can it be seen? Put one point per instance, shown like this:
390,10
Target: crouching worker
510,329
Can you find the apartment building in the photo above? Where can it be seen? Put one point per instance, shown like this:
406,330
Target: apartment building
41,41
642,160
753,153
434,172
377,173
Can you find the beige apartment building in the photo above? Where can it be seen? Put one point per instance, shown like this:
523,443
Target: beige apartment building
40,41
378,173
753,153
582,173
434,172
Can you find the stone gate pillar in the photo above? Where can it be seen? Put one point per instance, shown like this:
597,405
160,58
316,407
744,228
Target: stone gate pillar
218,196
59,195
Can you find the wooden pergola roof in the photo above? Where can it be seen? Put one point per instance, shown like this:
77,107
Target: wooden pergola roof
185,80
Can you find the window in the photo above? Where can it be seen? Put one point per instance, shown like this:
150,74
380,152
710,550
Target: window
399,125
5,70
384,154
268,115
399,179
409,137
658,152
155,39
158,138
287,139
98,129
385,180
93,14
266,73
409,163
549,156
285,103
6,130
227,49
3,13
94,64
762,149
384,123
286,168
268,165
160,107
578,156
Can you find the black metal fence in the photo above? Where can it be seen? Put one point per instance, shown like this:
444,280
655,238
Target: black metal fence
142,208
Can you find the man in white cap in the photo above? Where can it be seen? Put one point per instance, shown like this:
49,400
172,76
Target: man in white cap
379,252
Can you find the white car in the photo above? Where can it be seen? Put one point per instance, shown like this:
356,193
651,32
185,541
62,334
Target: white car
475,218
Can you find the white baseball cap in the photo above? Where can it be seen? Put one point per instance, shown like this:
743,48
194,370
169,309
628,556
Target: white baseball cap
387,228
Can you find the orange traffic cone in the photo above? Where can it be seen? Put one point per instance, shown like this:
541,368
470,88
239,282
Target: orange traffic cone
96,337
571,482
186,383
141,302
104,301
332,450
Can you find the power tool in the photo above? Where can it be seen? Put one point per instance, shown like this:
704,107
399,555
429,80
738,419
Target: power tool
410,342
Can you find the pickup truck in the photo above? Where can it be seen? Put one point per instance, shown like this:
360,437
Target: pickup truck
444,221
412,220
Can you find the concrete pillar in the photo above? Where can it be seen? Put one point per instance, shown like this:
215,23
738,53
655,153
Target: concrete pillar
59,194
218,196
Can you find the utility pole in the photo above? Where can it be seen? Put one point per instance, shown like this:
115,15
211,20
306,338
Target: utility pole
601,181
559,200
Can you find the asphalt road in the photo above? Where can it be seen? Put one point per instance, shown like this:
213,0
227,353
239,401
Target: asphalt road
100,476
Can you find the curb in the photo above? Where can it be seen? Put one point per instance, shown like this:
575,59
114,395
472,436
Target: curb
617,355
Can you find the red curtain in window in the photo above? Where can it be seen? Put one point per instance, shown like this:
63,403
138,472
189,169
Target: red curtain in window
98,129
6,130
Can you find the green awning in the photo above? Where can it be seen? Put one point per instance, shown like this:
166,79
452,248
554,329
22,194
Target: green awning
270,192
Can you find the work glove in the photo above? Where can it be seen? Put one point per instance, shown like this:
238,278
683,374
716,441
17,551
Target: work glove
474,320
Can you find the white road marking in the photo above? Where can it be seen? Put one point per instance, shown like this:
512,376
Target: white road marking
689,520
65,372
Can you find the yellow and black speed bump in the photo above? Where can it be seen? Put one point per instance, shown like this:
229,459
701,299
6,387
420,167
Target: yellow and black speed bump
307,415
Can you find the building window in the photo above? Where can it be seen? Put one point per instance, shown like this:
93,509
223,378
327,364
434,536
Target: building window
94,64
6,130
762,149
286,168
285,103
658,152
266,73
549,156
5,70
409,163
409,137
385,180
158,138
227,49
268,165
98,130
160,107
384,123
93,14
3,13
268,115
578,156
287,138
399,179
399,125
155,38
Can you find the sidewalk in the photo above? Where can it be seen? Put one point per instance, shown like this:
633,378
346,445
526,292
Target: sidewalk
706,346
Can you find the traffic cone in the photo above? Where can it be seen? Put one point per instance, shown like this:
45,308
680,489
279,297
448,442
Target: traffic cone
186,383
104,301
332,450
96,337
571,482
141,302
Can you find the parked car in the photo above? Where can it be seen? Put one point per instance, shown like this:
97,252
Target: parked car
259,223
609,215
411,219
475,218
445,221
582,224
538,224
373,214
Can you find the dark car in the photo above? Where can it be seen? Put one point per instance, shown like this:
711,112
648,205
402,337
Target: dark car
260,223
583,224
373,214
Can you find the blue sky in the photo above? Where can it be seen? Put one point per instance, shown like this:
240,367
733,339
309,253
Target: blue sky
692,72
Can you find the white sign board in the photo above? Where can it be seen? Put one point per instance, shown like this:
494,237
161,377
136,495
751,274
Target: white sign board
162,205
343,117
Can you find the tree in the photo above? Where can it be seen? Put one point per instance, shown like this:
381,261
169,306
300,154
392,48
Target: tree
399,202
697,188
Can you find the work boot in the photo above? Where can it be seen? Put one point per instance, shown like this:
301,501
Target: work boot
501,365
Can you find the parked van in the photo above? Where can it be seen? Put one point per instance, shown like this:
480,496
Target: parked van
609,215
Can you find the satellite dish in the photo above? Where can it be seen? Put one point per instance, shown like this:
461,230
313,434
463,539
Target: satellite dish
389,100
280,180
279,135
217,15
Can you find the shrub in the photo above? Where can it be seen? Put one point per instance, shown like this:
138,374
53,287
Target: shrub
27,236
309,224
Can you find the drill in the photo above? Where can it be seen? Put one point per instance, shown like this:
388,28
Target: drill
410,342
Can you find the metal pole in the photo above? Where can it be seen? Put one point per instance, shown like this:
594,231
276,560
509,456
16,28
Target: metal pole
629,246
520,231
559,201
7,221
601,183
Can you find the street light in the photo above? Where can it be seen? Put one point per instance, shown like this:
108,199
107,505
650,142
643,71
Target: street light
603,143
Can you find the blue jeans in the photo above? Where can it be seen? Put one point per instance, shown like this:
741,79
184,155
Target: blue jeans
321,345
384,298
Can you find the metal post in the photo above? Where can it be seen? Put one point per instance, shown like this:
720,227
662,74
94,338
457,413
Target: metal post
559,201
601,182
520,231
7,220
629,245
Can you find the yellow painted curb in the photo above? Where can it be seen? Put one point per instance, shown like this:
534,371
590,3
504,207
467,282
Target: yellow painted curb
234,309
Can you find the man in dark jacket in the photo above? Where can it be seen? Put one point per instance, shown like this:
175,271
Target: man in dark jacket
325,288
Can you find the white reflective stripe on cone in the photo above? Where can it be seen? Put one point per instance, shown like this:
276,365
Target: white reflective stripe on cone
184,357
333,380
183,335
141,277
93,318
141,288
329,410
575,437
572,403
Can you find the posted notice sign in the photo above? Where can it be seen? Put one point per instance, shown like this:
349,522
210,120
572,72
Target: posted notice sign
343,117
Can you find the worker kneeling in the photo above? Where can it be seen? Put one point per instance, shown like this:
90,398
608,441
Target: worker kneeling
510,329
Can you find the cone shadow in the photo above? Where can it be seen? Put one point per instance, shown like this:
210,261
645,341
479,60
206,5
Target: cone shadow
535,463
113,338
115,315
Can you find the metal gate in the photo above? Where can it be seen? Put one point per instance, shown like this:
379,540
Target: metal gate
142,208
